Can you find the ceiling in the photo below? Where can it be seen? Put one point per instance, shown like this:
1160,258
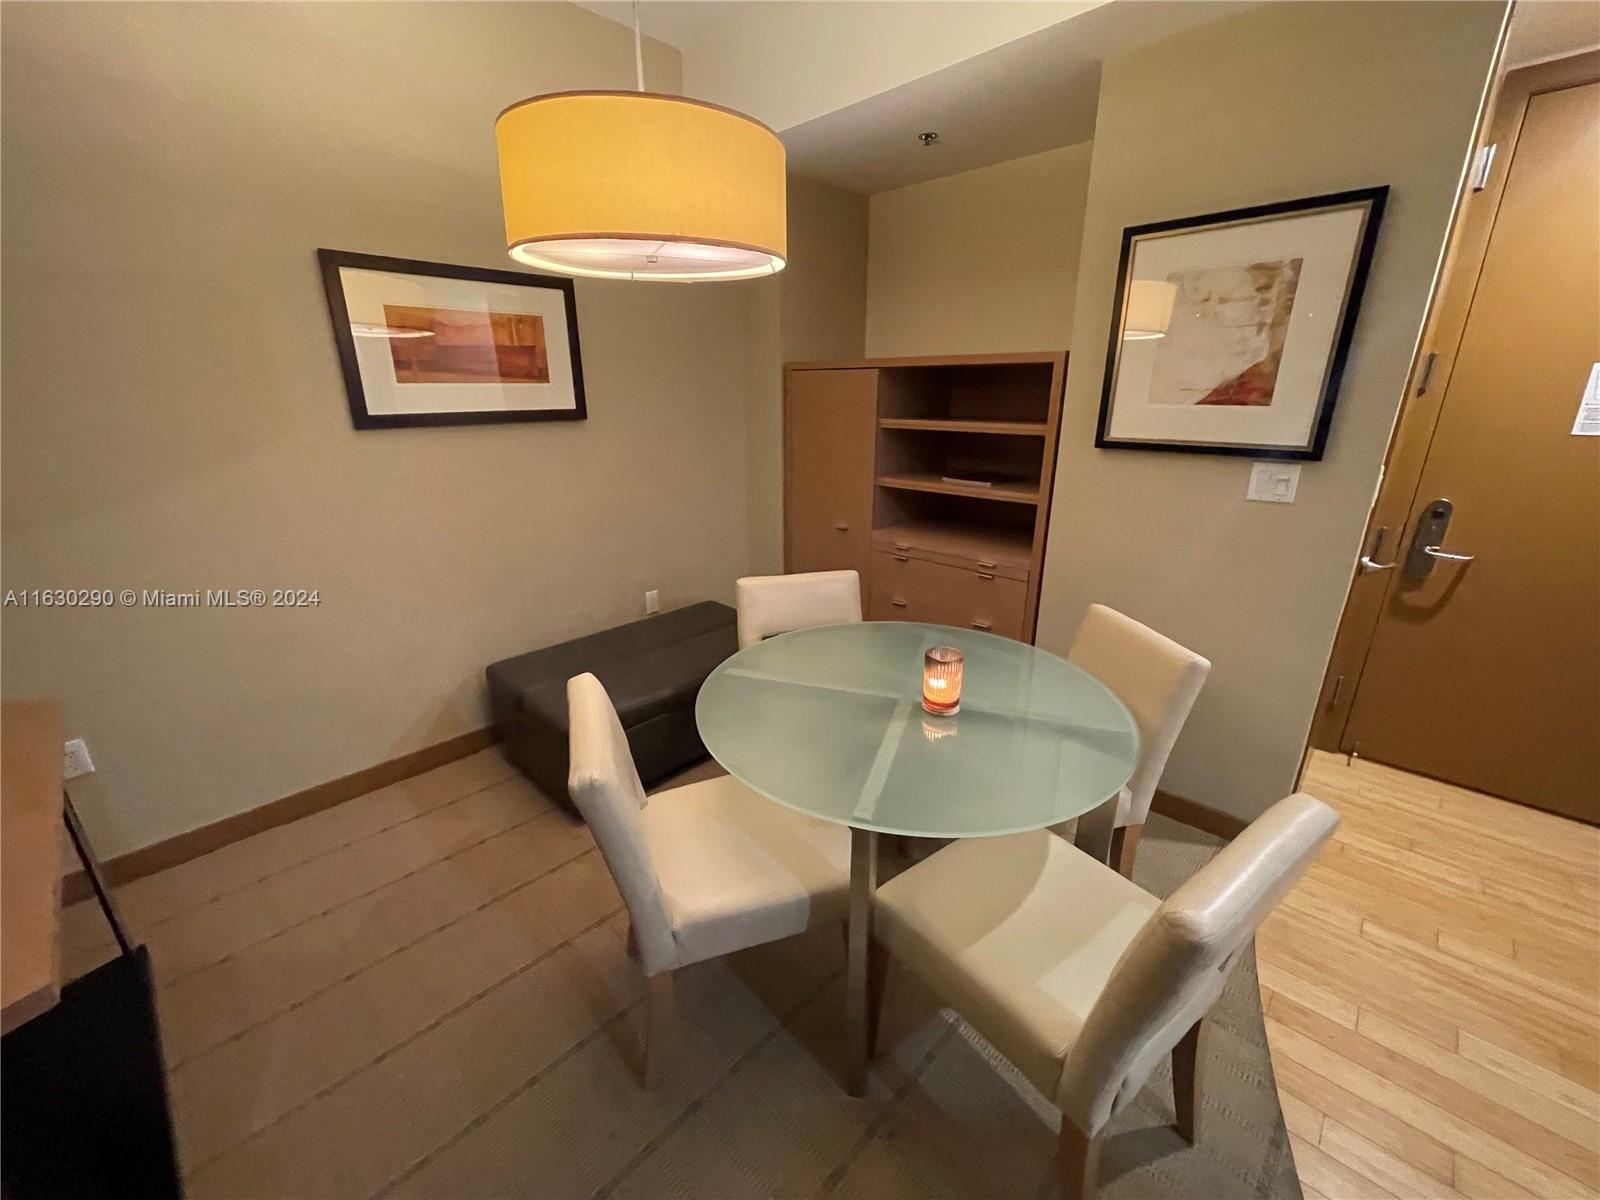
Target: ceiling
679,23
1546,29
1012,80
1030,95
786,62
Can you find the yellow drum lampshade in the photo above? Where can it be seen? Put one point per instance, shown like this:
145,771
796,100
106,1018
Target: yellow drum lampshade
1149,311
640,185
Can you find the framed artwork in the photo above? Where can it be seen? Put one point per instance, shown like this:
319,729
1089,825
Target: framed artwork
1231,329
426,343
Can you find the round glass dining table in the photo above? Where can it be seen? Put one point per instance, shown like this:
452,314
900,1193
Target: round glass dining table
829,721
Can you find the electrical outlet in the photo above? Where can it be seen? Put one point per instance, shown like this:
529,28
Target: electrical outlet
652,602
75,759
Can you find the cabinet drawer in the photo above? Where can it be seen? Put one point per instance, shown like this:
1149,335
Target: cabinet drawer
896,593
967,553
913,589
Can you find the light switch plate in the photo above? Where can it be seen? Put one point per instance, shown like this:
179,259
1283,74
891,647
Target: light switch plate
1274,483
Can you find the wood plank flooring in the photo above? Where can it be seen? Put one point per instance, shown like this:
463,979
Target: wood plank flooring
1432,991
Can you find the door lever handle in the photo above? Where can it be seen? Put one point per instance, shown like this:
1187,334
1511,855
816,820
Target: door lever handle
1435,552
1367,564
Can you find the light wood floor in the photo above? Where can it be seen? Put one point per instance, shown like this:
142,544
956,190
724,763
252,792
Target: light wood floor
1432,991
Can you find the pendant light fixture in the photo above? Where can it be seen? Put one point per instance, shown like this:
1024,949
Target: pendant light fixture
641,185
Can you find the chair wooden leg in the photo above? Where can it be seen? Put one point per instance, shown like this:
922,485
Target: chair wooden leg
1079,1161
1124,846
1186,1081
660,1030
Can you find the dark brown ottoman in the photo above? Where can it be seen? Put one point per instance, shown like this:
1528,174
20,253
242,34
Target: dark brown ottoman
652,670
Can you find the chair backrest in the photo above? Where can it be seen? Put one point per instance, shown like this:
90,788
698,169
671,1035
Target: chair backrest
1154,676
605,786
1176,965
773,604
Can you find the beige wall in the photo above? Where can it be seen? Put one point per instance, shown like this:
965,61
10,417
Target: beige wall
174,415
1294,100
815,309
982,261
824,288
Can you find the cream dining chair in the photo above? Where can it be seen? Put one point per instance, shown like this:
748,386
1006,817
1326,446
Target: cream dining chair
1080,977
704,869
1158,680
772,604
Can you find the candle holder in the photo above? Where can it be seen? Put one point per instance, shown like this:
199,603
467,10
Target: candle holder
942,668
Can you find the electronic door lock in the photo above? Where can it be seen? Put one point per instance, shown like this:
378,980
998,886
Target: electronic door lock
1427,543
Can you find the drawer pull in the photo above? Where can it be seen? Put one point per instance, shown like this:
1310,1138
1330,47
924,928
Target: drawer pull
902,546
901,557
985,563
984,575
897,602
841,526
982,625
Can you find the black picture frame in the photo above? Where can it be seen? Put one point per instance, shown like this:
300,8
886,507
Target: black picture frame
330,261
1374,198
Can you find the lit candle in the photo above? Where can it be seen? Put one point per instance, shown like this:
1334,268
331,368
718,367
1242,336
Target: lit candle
941,680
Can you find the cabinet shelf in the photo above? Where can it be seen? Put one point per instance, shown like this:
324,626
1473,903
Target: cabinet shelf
1011,493
959,425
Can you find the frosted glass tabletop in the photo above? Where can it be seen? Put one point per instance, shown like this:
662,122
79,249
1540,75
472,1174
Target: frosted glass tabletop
829,721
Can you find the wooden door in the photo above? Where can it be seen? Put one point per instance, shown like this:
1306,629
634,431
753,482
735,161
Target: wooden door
1486,673
830,441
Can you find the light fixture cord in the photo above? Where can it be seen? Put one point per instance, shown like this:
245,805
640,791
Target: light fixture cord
638,49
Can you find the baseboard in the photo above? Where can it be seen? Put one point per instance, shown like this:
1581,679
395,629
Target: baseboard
158,856
1201,816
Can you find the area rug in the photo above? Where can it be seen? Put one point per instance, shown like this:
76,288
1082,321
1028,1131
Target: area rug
945,1115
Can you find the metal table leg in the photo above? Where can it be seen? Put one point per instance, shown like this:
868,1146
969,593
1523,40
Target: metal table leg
858,1023
1095,828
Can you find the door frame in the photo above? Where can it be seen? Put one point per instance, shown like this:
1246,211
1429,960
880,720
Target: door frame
1428,384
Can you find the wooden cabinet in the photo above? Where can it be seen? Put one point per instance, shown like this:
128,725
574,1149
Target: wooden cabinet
955,457
830,421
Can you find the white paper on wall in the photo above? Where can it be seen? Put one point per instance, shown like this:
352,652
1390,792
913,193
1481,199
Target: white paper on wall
1587,423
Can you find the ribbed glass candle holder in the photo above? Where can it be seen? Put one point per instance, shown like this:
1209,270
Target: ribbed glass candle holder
942,668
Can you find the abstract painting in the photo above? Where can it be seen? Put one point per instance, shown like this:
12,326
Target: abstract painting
454,345
1226,336
432,344
1261,306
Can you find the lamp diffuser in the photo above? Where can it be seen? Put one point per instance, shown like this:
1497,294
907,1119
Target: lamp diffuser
641,185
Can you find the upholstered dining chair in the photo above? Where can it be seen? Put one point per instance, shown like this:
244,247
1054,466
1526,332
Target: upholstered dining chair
1080,977
772,604
1158,680
704,869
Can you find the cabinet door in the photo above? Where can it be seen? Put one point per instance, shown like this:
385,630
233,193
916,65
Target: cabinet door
831,432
